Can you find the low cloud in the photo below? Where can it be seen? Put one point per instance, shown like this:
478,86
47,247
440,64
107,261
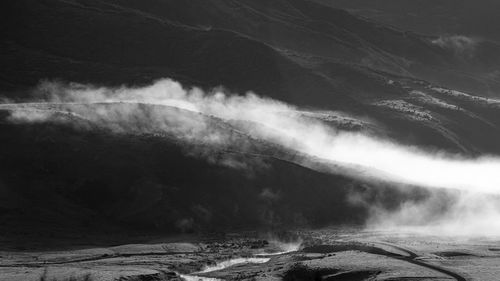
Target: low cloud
461,45
445,214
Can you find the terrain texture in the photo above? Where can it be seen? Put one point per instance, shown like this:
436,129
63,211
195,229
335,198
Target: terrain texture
89,189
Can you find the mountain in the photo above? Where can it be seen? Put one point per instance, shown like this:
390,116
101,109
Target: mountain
475,18
276,42
70,170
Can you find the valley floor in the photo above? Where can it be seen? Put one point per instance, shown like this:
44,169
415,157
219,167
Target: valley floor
329,254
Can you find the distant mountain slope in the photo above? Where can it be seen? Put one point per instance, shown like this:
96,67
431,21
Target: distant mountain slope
434,17
270,47
74,42
291,50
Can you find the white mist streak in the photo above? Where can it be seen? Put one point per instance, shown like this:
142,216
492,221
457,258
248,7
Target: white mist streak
285,125
413,166
467,214
461,45
291,128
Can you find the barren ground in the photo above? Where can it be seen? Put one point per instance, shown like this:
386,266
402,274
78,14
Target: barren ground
329,254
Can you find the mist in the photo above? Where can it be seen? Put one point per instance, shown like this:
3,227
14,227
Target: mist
459,214
188,116
461,45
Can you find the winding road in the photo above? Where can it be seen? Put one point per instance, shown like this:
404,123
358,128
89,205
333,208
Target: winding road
411,258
